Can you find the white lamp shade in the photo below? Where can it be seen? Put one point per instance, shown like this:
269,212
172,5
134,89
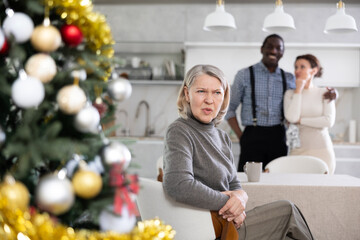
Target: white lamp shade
219,20
278,21
340,22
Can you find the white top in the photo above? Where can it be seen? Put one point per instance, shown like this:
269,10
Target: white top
316,115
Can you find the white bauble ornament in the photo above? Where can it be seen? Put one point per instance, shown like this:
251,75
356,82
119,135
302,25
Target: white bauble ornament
27,91
41,66
87,120
2,39
119,89
114,75
80,74
110,221
116,153
71,99
19,25
54,194
46,38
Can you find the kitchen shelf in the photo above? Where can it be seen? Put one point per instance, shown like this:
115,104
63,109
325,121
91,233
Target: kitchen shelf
156,82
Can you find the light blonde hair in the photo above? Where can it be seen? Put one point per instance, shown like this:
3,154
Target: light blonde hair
196,71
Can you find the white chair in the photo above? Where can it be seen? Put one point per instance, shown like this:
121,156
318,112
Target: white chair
188,222
297,164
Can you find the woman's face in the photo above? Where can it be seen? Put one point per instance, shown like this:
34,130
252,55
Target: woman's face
303,70
205,97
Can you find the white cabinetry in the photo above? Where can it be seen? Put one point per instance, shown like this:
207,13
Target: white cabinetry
341,63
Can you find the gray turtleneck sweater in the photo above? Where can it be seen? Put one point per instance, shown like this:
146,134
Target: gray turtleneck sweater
198,164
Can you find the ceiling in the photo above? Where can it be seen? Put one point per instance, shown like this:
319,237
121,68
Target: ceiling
214,1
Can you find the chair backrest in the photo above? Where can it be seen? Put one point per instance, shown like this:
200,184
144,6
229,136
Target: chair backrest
297,164
188,222
160,168
159,164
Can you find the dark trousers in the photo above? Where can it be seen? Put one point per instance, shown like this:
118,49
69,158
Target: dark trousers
262,144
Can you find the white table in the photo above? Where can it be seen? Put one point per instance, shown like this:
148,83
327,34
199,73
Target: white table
330,203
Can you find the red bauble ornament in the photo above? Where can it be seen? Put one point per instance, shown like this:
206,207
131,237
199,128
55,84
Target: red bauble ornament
71,35
5,48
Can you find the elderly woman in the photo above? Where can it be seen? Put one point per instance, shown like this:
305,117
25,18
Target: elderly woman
199,167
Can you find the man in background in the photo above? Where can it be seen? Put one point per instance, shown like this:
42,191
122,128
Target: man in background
260,90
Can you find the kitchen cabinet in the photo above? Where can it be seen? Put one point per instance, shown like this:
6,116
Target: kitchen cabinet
341,62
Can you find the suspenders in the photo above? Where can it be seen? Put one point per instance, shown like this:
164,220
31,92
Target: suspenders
253,100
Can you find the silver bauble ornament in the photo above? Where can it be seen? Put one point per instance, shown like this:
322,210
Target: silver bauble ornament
96,165
27,91
2,39
119,89
54,194
71,99
116,153
110,221
41,66
19,25
2,136
87,120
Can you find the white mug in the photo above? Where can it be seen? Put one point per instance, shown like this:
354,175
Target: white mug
253,171
135,62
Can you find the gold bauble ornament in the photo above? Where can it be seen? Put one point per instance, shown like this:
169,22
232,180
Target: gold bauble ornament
46,38
16,193
41,66
87,184
71,99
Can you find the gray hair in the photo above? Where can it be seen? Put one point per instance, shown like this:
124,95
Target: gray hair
196,71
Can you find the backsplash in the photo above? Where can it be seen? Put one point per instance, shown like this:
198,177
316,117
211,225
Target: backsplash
162,101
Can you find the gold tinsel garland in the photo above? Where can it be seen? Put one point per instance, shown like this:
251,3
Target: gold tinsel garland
23,225
93,25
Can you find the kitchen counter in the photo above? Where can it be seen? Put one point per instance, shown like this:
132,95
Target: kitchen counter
146,150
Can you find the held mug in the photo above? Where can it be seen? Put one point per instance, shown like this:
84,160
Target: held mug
253,171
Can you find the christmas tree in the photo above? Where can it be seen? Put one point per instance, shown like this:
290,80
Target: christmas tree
58,168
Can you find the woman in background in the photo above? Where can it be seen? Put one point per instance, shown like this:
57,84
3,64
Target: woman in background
199,167
306,107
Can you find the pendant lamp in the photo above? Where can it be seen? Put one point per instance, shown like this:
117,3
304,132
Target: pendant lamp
340,22
278,21
219,19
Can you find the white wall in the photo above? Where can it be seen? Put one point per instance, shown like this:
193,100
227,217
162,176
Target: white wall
179,23
232,57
